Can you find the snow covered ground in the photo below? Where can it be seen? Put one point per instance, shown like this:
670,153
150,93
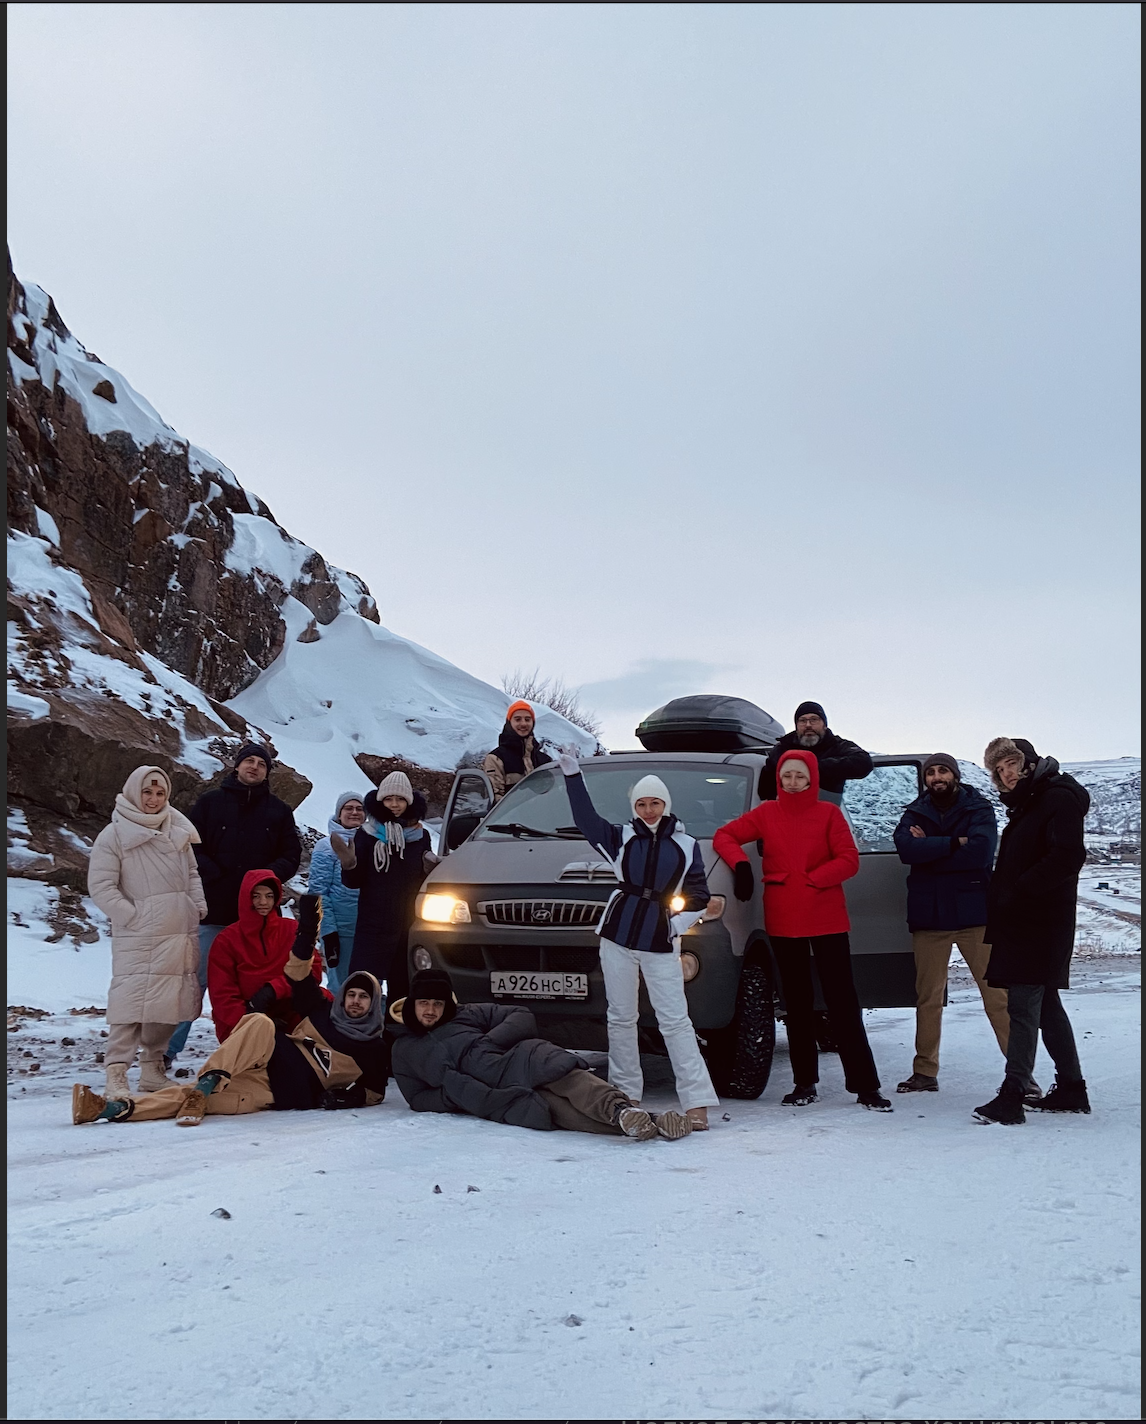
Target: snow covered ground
792,1263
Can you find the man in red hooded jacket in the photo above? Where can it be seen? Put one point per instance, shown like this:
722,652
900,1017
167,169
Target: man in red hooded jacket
245,973
809,852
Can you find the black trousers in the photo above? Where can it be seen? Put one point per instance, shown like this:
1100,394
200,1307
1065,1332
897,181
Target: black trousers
1032,1007
834,966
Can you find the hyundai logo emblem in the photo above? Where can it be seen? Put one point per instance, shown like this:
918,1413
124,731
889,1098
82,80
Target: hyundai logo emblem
542,916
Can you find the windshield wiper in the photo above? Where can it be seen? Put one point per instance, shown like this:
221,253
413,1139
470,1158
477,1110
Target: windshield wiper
515,828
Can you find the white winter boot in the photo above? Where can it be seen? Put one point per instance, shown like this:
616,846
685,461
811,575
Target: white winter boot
152,1077
117,1089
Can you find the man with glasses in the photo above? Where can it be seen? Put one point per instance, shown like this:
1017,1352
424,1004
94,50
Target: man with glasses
839,760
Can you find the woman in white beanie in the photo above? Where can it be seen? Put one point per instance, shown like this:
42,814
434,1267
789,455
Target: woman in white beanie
662,892
385,863
339,904
142,875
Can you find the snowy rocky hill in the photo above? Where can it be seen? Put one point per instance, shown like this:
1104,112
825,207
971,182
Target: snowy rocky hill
158,611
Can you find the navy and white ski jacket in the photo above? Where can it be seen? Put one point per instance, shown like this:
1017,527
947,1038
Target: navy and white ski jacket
651,867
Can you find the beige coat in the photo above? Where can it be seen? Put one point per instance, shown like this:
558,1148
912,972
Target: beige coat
147,884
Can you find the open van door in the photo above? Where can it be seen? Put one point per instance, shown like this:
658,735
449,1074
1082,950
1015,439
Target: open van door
469,802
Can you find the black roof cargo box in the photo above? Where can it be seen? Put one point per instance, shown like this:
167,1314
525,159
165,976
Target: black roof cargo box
708,723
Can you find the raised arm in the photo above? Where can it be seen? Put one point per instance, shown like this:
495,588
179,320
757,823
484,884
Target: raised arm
596,830
849,763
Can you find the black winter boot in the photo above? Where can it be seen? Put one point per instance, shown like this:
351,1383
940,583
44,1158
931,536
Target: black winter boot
1006,1108
800,1096
1064,1098
874,1102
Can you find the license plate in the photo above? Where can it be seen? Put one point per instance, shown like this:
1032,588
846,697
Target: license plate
507,983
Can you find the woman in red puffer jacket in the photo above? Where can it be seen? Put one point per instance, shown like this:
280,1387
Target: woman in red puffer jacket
809,852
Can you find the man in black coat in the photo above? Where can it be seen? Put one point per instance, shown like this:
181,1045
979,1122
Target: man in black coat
947,836
486,1060
1031,908
839,760
241,827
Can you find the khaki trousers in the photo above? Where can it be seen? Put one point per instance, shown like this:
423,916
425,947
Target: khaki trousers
123,1040
244,1056
932,958
582,1102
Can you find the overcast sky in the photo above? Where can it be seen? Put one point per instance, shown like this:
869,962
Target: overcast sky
783,351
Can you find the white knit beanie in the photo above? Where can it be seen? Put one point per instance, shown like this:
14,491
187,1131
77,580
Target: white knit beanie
396,784
650,786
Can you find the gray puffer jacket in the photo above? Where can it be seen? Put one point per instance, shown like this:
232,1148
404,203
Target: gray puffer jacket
486,1061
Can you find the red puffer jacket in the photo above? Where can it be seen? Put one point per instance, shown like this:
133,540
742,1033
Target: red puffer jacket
250,953
809,852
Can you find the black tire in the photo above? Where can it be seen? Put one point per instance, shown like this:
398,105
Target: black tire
740,1056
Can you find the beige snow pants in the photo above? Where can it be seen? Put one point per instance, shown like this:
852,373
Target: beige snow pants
123,1039
244,1056
932,960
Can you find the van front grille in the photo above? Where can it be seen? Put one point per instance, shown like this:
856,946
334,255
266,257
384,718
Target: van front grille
542,914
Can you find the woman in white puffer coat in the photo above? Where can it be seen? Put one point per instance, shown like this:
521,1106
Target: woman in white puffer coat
142,875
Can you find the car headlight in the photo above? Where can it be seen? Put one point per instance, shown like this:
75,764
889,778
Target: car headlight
443,910
676,904
423,959
689,966
714,908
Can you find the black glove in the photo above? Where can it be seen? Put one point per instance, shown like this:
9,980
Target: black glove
309,916
742,882
262,999
332,949
336,1098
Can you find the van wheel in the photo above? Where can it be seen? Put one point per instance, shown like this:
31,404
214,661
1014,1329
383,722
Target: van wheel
740,1056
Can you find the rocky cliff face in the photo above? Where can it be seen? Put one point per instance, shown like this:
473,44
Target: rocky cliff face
145,588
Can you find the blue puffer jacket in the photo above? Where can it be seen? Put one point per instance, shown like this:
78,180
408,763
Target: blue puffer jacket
947,886
651,868
339,903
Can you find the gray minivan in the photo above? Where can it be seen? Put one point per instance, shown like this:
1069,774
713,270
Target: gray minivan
511,911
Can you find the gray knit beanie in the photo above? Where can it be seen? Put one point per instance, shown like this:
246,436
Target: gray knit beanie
396,784
943,759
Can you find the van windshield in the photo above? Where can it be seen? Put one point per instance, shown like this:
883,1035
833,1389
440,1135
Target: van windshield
703,797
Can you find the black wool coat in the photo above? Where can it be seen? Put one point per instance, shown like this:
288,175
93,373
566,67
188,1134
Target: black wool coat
241,828
486,1061
386,897
1033,893
839,760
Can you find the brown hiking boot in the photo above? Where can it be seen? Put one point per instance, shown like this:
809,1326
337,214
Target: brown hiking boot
86,1104
192,1108
635,1122
673,1125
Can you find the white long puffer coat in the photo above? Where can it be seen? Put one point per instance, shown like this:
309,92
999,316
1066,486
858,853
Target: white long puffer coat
148,886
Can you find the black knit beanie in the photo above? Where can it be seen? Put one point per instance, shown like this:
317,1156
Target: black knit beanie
429,984
810,707
255,750
943,759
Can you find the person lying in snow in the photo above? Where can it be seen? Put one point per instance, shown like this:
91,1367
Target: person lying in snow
486,1060
335,1057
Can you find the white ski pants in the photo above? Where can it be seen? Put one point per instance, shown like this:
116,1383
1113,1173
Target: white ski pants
623,969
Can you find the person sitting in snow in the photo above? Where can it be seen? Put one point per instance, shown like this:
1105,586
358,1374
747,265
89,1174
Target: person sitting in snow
517,752
386,861
486,1060
336,1056
246,971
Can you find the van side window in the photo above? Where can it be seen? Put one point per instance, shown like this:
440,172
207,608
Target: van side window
876,803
